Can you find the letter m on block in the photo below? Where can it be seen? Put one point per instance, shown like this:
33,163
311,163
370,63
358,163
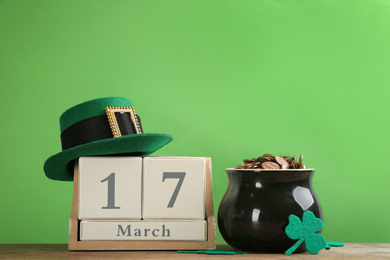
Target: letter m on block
120,230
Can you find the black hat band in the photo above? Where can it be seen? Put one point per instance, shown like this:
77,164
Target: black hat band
97,128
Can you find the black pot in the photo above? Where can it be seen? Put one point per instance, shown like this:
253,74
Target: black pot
254,212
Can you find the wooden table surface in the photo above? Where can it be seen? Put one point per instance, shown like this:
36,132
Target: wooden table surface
60,251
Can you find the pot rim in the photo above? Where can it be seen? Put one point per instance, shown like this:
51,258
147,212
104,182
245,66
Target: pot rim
273,170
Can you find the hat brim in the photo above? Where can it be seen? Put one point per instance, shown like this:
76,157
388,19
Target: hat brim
60,166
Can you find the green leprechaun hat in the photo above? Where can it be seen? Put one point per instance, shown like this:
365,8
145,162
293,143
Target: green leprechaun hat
104,126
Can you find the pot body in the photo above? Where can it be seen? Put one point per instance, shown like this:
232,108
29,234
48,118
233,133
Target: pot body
254,212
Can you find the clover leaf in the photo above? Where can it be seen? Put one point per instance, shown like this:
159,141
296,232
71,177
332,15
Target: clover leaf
305,231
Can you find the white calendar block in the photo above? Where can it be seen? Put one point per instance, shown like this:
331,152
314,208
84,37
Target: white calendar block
185,230
110,187
174,188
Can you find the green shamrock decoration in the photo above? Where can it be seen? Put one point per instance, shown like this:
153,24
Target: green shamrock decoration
305,231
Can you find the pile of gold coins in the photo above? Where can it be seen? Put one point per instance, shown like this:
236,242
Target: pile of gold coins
272,162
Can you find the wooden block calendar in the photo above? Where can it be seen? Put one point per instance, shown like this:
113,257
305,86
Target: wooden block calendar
142,203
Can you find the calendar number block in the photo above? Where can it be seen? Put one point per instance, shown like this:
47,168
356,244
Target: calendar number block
110,187
186,230
174,188
102,218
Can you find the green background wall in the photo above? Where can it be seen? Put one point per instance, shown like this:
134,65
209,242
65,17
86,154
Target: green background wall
228,79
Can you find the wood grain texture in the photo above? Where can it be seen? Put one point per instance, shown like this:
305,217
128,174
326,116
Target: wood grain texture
60,251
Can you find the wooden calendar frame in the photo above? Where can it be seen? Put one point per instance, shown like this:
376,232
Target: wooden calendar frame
74,226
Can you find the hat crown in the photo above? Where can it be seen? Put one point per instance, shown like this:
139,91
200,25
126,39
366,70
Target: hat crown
95,107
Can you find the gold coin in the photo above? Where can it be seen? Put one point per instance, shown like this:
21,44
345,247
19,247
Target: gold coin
268,155
280,160
270,165
263,159
288,158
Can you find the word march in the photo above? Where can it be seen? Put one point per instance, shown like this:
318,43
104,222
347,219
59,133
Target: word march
128,231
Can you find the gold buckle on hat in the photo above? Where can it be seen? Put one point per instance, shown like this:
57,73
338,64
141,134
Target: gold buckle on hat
114,123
